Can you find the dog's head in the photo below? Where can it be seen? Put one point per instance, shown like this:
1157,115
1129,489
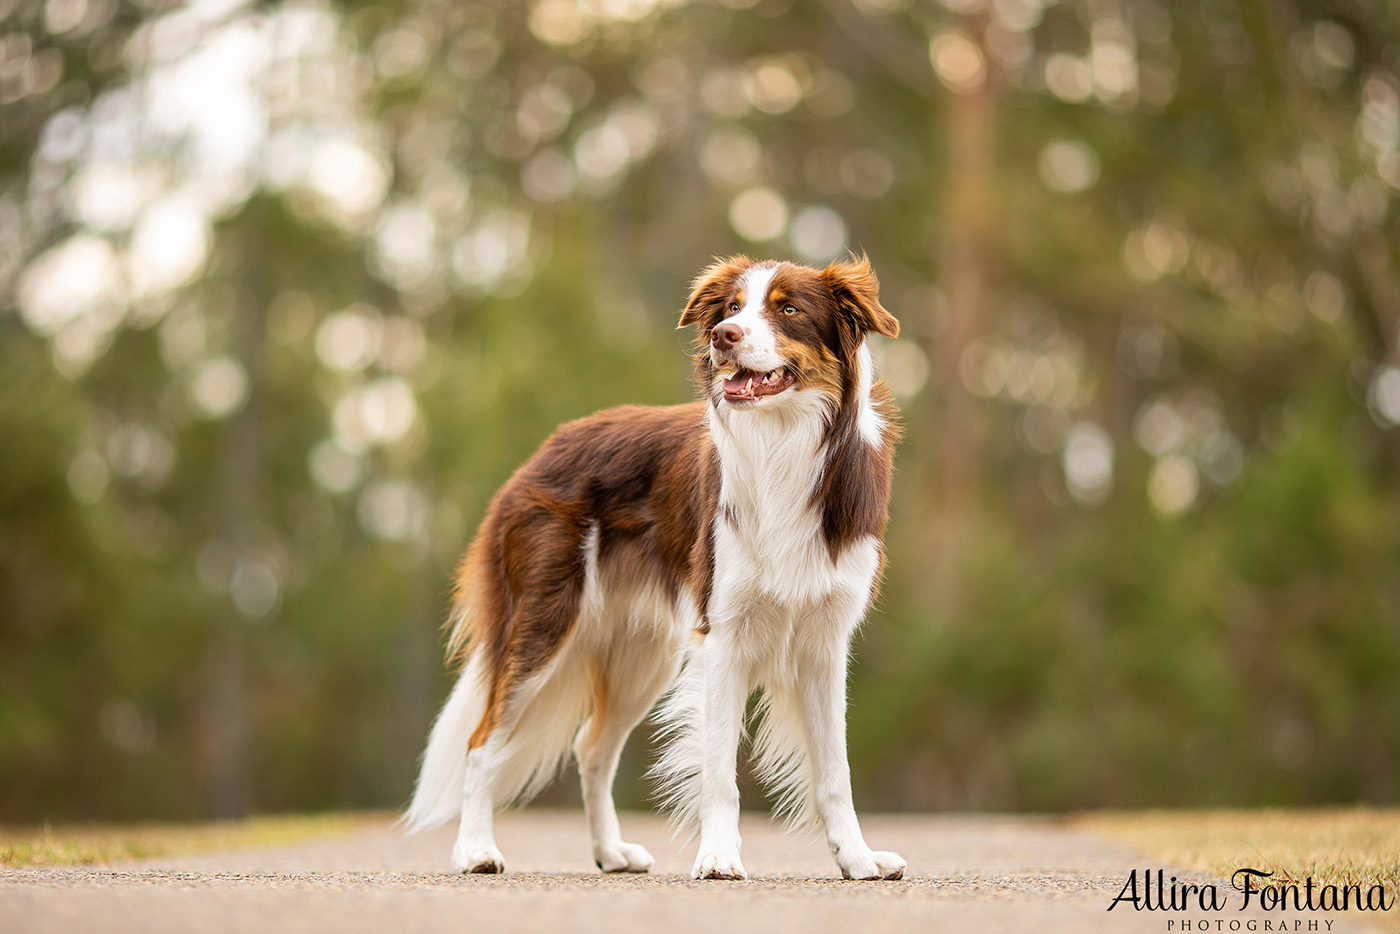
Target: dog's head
767,331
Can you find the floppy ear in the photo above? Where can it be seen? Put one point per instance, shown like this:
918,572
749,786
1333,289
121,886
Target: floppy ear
712,287
857,293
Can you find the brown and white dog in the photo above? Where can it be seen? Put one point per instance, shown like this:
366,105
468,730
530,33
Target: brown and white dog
716,547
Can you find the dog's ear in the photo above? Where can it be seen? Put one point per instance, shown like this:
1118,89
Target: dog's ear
712,287
857,293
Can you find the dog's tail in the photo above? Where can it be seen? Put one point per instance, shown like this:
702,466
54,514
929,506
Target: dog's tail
437,797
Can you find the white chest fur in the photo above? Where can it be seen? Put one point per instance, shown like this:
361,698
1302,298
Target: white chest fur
772,563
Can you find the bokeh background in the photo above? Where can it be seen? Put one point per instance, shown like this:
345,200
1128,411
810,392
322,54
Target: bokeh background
289,288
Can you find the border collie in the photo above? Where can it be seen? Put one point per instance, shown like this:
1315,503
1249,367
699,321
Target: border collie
716,547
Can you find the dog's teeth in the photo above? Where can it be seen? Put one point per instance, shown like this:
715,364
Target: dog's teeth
748,387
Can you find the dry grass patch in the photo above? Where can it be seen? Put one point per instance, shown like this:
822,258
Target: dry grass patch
1333,846
67,845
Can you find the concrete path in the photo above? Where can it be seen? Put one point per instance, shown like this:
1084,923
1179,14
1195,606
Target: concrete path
966,873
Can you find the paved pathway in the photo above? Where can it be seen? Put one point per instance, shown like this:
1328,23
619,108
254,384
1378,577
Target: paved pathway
966,873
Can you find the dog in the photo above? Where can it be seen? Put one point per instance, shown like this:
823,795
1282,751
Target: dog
715,547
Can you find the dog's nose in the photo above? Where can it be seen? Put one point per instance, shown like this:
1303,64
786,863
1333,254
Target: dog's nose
726,334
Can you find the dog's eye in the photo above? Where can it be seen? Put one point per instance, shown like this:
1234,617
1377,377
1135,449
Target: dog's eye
734,308
789,310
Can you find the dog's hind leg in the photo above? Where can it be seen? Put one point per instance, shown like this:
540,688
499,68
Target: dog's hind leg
622,690
513,754
475,849
531,712
489,754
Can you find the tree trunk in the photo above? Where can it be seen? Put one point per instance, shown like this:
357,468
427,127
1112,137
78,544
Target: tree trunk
968,250
226,714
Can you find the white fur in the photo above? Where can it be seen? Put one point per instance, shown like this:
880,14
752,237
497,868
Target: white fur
868,420
437,798
781,617
758,350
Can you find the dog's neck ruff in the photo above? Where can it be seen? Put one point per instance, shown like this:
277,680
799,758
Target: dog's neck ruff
769,529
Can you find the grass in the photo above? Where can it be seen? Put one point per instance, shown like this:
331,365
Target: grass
104,843
1333,846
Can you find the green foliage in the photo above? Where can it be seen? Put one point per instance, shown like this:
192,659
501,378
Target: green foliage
294,287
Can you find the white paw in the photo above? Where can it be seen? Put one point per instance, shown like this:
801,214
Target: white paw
468,857
871,865
890,865
718,866
622,857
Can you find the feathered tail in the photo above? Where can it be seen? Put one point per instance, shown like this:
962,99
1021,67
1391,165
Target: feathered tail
437,797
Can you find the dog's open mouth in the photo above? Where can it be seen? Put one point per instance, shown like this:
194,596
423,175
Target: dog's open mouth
750,386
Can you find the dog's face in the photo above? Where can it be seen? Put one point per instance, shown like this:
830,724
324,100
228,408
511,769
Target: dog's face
767,329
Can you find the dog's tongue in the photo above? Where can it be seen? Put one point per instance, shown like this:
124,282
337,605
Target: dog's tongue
742,382
751,385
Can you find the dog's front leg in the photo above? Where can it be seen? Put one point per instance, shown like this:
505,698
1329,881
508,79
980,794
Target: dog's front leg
726,690
824,710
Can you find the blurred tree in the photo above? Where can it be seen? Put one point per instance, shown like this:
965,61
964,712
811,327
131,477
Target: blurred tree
292,286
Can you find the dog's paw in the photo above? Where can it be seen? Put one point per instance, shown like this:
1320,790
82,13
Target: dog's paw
622,857
718,866
477,858
872,865
890,865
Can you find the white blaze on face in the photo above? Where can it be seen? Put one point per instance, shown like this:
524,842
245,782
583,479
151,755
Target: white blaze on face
758,350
